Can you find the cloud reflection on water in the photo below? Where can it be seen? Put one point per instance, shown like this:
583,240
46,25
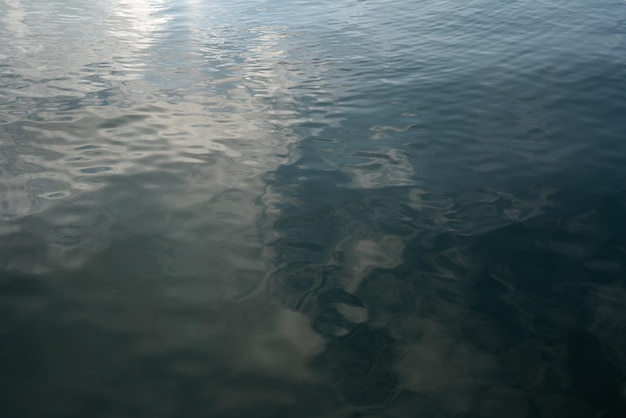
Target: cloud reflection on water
169,172
206,215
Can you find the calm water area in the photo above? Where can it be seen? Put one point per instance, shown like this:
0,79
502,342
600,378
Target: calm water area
301,209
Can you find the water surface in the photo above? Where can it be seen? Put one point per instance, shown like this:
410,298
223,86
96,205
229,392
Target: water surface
304,209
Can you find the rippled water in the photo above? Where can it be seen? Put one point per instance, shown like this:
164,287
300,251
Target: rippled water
306,209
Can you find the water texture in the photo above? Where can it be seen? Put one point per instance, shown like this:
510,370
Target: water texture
305,209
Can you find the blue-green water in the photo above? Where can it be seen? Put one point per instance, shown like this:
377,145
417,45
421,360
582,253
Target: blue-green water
312,209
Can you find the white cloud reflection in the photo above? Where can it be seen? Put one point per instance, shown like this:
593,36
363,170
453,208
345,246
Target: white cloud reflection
169,153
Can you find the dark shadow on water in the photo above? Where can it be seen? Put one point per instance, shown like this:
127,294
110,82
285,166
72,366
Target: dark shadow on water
521,320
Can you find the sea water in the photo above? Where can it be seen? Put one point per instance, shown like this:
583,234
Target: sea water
312,209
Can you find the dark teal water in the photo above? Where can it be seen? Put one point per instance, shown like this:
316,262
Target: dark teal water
312,209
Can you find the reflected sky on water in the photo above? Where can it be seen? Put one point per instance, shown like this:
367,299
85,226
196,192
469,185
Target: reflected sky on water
344,209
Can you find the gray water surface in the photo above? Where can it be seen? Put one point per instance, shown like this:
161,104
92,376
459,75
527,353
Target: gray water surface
312,209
